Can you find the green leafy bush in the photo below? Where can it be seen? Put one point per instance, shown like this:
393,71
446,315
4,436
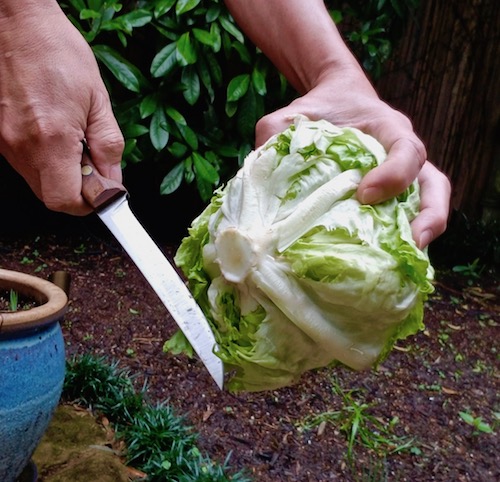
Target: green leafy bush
187,86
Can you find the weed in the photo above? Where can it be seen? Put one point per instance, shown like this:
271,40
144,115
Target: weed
13,300
81,249
478,424
359,426
470,270
26,260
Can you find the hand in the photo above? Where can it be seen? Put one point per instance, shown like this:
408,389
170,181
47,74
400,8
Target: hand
348,99
52,97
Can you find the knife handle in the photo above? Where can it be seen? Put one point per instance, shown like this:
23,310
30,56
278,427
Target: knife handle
98,190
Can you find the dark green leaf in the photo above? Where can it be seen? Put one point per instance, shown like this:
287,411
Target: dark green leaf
177,149
122,38
162,7
86,14
238,87
204,169
247,114
243,52
203,36
176,116
95,4
259,81
164,61
172,180
204,74
231,108
78,4
157,130
134,130
186,53
137,18
184,6
215,32
189,171
148,105
231,28
126,73
191,85
204,188
130,145
215,68
212,14
189,136
337,16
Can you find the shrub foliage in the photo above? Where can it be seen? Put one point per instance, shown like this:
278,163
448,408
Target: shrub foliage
187,87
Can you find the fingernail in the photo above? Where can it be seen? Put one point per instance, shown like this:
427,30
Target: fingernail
425,239
371,195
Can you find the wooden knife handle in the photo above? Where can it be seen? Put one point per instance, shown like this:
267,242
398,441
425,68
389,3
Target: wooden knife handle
97,190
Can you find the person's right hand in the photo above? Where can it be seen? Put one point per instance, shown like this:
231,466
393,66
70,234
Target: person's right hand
359,106
52,97
305,45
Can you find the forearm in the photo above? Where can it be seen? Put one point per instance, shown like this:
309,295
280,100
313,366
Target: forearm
298,36
12,8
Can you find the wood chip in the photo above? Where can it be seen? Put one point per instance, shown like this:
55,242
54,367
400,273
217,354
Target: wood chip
321,428
207,413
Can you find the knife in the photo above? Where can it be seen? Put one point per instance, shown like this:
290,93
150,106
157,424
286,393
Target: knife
109,199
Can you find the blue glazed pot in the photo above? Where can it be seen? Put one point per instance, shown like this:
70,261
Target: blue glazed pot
32,364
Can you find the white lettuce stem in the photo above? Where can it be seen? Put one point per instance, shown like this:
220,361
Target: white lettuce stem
304,313
311,208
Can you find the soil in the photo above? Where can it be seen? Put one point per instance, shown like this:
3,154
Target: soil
417,393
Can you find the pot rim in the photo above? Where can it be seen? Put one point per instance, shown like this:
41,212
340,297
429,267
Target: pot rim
53,302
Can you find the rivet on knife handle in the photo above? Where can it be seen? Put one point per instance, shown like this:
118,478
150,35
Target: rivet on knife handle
97,190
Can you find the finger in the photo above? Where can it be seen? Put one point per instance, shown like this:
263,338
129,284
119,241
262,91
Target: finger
104,138
435,190
60,181
404,160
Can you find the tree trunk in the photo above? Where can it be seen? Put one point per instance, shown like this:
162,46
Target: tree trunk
445,75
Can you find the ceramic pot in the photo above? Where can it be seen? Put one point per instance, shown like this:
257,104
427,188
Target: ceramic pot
32,364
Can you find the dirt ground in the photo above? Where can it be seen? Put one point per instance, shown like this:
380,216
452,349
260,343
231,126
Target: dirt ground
416,395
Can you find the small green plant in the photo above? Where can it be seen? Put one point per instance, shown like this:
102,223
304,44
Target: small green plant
477,423
13,300
470,270
81,249
157,440
360,426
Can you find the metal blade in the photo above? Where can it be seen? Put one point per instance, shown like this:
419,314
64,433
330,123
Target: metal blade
165,281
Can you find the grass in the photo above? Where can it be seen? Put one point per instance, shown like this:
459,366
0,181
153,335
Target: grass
361,428
158,441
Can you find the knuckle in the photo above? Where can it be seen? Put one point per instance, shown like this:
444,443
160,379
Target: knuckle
115,144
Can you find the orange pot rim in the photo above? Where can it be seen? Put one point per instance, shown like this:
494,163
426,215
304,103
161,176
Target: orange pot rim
52,302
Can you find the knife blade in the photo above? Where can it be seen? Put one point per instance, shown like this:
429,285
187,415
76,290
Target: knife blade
109,199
